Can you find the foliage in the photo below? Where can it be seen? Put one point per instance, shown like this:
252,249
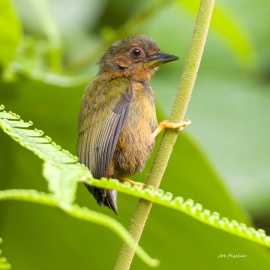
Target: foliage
38,68
10,32
62,173
78,212
3,261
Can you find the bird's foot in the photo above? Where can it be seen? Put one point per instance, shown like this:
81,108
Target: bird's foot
133,183
166,124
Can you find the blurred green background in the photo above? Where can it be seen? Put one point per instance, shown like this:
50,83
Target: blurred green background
48,51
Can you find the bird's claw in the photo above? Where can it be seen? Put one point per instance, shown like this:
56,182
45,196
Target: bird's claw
166,124
184,124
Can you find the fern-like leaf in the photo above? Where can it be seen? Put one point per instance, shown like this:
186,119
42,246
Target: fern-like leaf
188,207
62,172
3,261
60,167
81,213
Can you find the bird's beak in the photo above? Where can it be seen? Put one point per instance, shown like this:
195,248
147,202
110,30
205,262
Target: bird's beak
160,58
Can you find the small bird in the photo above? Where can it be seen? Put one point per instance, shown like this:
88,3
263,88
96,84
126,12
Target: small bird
117,122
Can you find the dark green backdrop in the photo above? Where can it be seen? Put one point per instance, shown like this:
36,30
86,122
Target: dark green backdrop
220,161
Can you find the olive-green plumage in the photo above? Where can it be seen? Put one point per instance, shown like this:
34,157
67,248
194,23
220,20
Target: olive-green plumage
118,114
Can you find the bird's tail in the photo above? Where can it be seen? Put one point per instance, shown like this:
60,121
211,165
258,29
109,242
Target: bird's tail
109,199
104,197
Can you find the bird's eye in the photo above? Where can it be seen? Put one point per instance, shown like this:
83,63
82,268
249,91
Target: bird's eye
136,52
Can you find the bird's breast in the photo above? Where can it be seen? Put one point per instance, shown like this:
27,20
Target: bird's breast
134,146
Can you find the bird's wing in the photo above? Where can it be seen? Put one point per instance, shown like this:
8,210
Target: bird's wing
103,116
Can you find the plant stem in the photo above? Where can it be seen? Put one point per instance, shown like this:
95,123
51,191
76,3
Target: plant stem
178,112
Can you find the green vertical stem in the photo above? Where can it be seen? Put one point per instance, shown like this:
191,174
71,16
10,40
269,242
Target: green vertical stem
177,115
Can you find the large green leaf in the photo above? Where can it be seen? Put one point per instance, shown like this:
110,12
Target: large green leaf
188,174
10,32
62,174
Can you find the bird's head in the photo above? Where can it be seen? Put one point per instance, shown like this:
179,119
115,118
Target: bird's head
135,57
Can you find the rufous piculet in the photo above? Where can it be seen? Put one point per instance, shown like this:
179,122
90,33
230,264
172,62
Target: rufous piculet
117,122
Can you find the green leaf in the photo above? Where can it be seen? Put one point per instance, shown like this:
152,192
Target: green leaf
60,167
80,213
189,174
10,30
63,183
3,261
63,176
